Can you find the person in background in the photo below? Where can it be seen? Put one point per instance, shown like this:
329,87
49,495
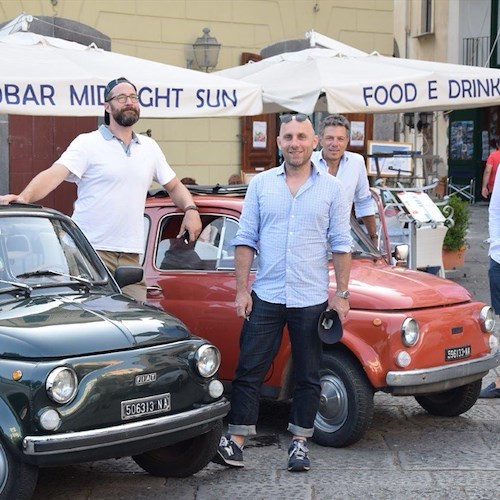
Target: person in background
293,215
493,389
348,167
234,179
189,181
490,169
113,168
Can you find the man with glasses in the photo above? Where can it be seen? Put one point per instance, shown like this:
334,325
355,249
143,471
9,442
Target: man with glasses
348,167
293,216
113,169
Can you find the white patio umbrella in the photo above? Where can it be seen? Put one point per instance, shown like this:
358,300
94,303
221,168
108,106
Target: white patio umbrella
333,80
53,77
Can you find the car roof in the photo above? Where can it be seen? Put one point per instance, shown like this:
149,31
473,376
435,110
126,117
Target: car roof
206,197
15,208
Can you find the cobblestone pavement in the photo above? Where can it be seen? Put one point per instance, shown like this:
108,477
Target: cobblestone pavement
407,453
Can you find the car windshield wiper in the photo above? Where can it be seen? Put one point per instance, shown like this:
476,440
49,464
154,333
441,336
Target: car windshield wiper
50,272
20,286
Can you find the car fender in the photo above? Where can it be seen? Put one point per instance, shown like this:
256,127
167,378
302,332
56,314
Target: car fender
11,429
368,358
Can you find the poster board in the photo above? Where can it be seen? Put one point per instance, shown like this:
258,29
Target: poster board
395,159
421,207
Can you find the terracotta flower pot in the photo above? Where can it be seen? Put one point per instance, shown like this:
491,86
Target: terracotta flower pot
453,258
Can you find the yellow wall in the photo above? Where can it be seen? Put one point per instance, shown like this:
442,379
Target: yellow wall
164,31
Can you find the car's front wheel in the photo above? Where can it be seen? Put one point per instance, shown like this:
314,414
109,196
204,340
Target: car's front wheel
17,480
453,402
346,405
184,458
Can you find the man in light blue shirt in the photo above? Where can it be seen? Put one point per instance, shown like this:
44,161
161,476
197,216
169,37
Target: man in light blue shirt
349,168
293,216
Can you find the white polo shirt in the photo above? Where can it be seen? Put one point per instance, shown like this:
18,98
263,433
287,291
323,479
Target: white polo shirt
112,182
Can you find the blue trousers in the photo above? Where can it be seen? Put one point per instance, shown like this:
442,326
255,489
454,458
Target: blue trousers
494,276
259,342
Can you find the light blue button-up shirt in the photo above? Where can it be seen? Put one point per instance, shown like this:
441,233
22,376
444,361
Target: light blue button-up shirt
352,174
293,235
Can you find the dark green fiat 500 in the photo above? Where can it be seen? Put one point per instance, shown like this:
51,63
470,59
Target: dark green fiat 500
87,373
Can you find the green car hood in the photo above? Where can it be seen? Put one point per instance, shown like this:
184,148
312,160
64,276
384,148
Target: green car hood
63,326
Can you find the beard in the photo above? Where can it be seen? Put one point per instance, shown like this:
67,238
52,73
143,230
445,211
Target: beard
127,117
294,161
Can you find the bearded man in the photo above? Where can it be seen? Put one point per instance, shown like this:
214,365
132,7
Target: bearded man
113,169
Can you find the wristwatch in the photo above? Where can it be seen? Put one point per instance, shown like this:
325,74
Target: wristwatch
342,294
191,207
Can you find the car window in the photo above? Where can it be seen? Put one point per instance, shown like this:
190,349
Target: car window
34,244
212,251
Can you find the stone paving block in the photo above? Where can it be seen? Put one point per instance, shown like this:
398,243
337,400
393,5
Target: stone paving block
440,451
81,485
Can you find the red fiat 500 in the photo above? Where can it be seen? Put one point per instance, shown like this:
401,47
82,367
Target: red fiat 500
408,333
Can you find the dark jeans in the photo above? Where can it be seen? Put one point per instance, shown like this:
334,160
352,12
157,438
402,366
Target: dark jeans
259,342
494,276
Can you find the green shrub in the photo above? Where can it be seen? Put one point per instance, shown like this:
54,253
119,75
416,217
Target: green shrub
456,236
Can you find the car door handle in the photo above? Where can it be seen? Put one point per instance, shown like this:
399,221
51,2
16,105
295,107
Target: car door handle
154,290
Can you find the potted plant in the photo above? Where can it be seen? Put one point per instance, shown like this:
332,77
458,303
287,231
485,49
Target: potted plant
455,241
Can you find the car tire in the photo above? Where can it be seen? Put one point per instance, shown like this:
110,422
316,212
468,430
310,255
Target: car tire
184,458
453,402
346,406
17,480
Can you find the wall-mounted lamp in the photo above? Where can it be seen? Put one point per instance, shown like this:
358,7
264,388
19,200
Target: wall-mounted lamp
424,119
206,51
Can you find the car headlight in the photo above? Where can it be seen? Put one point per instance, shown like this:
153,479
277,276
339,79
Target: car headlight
487,319
61,385
409,332
207,360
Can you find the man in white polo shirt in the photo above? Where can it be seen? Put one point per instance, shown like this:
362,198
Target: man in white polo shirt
113,169
349,168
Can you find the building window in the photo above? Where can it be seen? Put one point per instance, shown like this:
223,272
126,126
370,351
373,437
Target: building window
427,17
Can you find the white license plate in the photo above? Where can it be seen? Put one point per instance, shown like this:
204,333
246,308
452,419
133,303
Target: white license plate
135,408
457,353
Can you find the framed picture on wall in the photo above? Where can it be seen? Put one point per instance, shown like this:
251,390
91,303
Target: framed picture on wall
389,159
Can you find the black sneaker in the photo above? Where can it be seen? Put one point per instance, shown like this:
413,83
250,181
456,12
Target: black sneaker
229,453
298,459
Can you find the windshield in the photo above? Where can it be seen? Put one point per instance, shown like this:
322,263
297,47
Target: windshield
361,243
41,251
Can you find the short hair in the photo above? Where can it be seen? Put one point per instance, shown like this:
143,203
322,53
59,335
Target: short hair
335,120
189,181
234,179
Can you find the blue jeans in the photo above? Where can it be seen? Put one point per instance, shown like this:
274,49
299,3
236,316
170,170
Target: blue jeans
259,342
494,276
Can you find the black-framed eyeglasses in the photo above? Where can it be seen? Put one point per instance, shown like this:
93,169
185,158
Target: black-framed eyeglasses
300,117
122,98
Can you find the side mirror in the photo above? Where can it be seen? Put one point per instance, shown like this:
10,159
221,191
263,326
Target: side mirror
401,253
127,275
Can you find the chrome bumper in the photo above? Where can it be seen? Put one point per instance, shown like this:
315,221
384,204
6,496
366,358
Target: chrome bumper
441,378
100,439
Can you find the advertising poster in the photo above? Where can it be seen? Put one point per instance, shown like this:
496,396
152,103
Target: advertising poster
462,140
259,134
357,134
